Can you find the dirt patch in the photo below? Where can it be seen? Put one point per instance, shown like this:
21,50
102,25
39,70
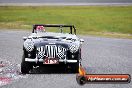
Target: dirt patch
9,72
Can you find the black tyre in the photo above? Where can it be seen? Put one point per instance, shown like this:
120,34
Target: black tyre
25,66
75,67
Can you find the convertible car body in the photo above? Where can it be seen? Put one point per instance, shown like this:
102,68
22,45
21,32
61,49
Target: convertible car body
51,44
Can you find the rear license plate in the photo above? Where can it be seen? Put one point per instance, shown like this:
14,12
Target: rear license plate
51,61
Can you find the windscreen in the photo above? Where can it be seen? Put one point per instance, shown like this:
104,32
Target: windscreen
52,29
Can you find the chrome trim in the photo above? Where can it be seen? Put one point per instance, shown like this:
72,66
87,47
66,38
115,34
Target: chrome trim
41,60
68,61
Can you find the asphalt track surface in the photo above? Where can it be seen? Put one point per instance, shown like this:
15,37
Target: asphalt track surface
66,4
65,1
100,55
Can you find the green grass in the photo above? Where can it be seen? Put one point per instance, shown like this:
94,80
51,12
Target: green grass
93,20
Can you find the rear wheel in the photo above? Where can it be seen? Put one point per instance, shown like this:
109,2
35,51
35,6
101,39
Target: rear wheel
25,66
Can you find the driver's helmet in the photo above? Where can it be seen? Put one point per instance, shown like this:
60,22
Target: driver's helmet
40,29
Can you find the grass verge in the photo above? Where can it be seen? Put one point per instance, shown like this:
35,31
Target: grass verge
108,21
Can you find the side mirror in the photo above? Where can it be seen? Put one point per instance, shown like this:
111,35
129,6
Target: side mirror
24,38
81,40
